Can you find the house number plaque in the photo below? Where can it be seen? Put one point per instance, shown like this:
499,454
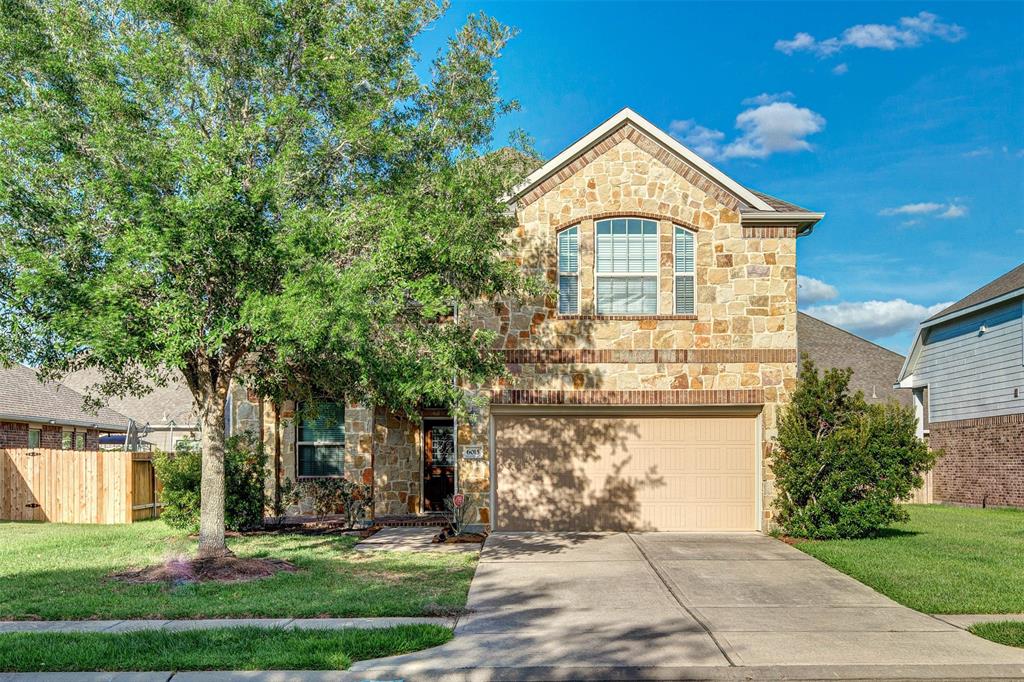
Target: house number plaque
473,452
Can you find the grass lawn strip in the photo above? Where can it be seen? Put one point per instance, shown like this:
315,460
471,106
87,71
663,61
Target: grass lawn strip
1006,632
244,648
945,560
62,572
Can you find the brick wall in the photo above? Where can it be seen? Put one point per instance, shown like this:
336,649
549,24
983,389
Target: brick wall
983,461
15,435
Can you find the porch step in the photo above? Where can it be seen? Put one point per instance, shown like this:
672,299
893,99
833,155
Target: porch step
431,520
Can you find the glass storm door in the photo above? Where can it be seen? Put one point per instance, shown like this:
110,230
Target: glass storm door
438,464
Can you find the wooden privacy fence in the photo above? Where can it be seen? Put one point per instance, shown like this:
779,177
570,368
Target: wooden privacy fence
76,486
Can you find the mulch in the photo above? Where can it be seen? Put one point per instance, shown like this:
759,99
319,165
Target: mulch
465,538
227,569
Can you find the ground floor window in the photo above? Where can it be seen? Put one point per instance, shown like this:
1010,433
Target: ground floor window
35,438
321,440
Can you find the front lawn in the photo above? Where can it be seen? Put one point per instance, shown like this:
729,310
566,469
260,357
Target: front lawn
218,649
61,572
945,560
1010,633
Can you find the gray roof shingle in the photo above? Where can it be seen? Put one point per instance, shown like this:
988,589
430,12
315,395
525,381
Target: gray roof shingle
1011,281
163,404
24,398
875,369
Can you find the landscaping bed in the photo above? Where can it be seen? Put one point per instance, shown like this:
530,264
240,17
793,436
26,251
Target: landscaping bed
69,572
945,560
241,648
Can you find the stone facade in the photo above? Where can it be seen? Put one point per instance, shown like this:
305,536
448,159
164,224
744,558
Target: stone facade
983,461
738,349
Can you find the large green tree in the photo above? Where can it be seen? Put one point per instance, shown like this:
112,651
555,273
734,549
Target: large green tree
274,191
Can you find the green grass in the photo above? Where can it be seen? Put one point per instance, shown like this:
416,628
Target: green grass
57,572
1006,632
945,560
219,649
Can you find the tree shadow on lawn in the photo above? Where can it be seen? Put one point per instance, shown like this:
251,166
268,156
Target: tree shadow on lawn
391,584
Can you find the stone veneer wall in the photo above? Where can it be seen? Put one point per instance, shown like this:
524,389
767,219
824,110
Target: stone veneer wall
983,461
740,347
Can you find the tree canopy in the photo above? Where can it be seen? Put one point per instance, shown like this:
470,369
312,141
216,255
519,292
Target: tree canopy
278,191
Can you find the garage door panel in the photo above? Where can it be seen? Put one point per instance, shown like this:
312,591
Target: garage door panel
625,473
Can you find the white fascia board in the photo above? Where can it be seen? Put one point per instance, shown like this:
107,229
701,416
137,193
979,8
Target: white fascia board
974,308
780,217
627,114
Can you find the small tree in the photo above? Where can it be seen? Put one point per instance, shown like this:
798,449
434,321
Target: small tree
843,465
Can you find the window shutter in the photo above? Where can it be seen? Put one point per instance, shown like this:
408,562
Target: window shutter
568,269
685,267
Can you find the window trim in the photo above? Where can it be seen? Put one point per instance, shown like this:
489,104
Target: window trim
559,273
656,275
315,443
677,273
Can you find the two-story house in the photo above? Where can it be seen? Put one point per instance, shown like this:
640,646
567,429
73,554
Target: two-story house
643,392
966,369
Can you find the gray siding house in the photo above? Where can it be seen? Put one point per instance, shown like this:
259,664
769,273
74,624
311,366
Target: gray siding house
966,371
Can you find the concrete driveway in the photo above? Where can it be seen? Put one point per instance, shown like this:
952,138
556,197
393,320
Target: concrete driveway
680,605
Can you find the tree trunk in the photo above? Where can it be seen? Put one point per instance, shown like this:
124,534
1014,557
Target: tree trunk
211,506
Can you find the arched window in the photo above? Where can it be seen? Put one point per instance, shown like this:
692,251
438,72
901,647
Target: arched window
626,276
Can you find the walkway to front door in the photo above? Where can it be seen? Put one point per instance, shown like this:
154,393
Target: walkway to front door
622,605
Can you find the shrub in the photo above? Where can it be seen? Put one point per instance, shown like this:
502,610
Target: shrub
843,465
335,495
245,497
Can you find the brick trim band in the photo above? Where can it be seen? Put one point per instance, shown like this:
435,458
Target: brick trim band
627,214
769,232
672,356
630,132
979,421
626,318
747,396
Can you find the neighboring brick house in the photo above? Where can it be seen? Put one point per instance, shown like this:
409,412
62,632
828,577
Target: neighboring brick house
643,393
165,416
875,368
966,369
50,414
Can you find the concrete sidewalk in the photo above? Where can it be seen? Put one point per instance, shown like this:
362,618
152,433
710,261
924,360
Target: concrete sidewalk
208,623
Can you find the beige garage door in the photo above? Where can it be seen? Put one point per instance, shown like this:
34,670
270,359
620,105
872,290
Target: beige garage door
565,473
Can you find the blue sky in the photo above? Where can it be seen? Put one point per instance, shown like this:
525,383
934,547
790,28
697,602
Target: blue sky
904,122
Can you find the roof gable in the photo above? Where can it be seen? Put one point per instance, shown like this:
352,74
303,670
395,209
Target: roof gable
627,124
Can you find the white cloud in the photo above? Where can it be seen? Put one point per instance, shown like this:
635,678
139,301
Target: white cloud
875,319
950,210
764,130
912,209
840,69
811,291
704,141
767,98
908,32
954,211
801,41
980,151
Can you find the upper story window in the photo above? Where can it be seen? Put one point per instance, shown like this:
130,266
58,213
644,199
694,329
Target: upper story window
685,272
569,271
321,441
626,273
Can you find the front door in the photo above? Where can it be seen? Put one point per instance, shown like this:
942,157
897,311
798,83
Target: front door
438,463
